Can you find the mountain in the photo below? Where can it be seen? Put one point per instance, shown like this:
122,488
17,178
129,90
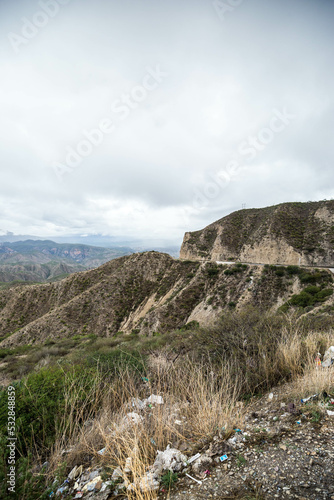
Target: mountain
150,293
289,234
38,260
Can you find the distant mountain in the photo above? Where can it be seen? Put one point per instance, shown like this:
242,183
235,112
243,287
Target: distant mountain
172,247
40,260
289,234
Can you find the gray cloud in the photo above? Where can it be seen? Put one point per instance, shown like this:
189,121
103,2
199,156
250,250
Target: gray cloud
225,78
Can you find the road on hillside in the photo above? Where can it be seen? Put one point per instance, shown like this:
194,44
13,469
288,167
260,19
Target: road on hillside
260,264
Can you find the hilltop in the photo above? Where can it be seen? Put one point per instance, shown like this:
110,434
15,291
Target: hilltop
288,234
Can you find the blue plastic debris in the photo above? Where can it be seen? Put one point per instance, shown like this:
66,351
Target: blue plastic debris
223,458
310,398
237,430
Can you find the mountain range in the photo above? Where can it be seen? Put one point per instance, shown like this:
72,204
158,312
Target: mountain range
41,260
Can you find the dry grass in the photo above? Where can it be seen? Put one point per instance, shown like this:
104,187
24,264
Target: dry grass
315,379
198,404
200,400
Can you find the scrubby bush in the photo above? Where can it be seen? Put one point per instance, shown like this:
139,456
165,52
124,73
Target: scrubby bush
116,361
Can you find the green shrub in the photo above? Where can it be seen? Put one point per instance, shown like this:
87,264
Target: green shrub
310,296
28,486
324,294
212,270
303,299
192,325
312,289
116,361
169,479
293,270
308,278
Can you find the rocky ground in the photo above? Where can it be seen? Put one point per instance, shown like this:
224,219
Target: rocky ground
285,449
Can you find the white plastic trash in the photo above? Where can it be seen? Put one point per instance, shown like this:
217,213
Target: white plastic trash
153,399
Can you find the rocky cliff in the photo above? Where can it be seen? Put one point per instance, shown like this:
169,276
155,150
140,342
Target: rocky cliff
288,234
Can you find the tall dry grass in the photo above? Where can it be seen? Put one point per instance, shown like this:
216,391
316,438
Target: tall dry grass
199,402
314,379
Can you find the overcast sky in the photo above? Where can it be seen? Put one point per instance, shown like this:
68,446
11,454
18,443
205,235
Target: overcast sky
148,118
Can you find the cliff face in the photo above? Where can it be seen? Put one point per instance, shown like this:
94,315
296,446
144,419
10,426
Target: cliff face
289,234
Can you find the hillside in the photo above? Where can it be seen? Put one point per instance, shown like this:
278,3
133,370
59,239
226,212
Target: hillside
38,260
151,292
289,234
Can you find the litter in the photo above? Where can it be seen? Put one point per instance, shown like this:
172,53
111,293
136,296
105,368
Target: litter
298,422
201,464
149,483
102,452
74,473
61,490
237,430
197,481
310,398
92,484
155,399
138,403
170,459
128,465
132,418
292,408
271,395
330,413
223,458
79,494
117,474
328,357
178,422
145,379
193,458
105,486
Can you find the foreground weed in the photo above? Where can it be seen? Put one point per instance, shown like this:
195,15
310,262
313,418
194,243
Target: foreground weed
241,461
169,479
